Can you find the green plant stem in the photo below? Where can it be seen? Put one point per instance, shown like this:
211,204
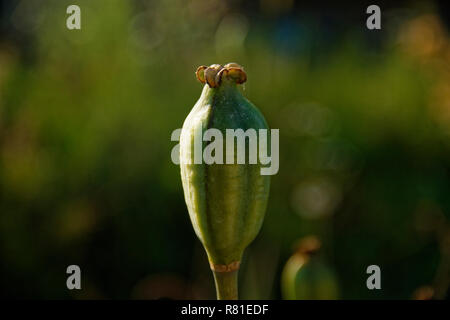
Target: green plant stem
226,285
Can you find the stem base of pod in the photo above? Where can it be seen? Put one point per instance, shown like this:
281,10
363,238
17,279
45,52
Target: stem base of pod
226,284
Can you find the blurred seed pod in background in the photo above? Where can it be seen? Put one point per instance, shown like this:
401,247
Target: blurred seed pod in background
423,293
306,276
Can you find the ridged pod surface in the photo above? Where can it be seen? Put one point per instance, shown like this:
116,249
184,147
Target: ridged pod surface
226,202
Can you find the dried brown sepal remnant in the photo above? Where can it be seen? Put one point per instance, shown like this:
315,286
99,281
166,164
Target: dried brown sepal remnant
215,73
225,267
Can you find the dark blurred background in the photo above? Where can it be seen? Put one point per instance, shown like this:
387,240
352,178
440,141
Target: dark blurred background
85,123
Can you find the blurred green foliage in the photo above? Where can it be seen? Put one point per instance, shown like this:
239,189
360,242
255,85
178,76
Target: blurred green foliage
86,176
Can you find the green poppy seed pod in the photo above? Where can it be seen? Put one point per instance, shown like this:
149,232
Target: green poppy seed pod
306,276
226,199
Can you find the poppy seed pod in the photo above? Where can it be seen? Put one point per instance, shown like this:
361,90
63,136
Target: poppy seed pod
226,199
306,276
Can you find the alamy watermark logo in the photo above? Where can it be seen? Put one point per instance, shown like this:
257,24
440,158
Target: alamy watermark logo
74,20
374,20
213,152
74,280
374,280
